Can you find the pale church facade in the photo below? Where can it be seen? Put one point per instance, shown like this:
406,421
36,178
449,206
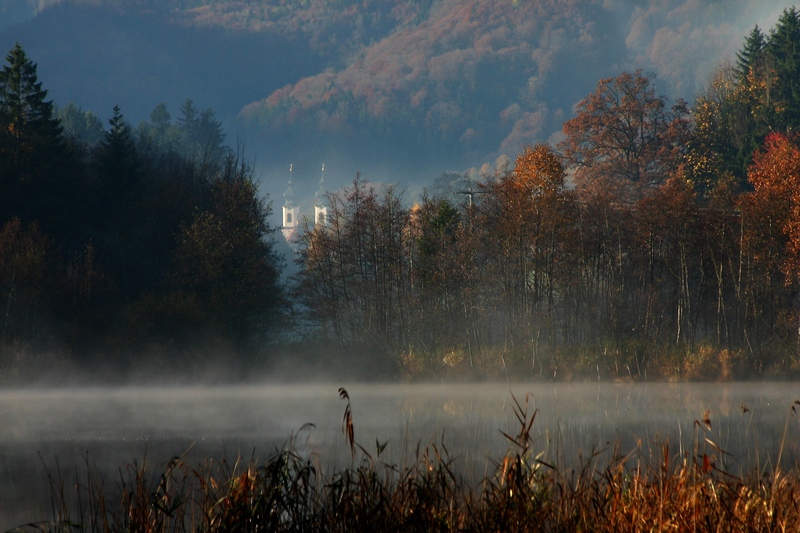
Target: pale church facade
292,220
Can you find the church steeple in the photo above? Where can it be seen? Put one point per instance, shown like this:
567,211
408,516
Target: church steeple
321,203
290,211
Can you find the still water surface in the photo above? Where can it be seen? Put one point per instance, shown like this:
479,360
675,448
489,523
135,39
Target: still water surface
66,429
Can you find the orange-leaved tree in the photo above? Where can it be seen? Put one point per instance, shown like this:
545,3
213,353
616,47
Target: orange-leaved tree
771,235
624,135
527,214
772,231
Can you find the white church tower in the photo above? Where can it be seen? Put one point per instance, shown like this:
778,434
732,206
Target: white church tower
320,203
291,213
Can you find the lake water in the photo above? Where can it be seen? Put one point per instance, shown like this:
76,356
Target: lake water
66,429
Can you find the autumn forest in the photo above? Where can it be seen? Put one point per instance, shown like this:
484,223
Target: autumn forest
658,239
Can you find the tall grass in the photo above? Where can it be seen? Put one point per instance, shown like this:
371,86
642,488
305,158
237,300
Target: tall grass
648,488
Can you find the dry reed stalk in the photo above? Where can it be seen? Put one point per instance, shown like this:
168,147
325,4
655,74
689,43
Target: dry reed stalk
347,422
645,489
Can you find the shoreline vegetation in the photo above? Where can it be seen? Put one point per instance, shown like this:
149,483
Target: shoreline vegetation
657,241
675,256
531,487
632,363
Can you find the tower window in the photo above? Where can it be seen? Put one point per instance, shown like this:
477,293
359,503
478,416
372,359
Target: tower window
289,218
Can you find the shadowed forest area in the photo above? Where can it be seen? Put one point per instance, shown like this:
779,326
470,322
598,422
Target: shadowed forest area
118,242
657,240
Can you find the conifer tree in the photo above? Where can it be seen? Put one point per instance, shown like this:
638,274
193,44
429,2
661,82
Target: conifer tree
82,127
209,137
160,119
117,224
30,138
188,119
764,98
751,52
227,260
119,162
783,48
156,134
25,114
201,138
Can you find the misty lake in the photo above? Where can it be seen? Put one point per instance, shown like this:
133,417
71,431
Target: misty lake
66,429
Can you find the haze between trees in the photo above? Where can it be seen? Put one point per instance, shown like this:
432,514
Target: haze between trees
657,240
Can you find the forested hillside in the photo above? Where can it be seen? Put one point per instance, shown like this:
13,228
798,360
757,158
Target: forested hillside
470,77
657,238
408,88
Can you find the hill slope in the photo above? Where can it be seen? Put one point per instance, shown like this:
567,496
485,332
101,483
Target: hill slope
418,86
471,78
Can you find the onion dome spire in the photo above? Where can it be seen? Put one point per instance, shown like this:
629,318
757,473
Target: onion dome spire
289,194
320,194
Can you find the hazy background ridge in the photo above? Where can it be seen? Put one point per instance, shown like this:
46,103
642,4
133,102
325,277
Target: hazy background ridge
400,91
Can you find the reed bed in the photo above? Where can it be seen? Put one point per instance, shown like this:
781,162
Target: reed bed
648,488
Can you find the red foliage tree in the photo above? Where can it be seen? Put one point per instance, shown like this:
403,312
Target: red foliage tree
772,229
625,136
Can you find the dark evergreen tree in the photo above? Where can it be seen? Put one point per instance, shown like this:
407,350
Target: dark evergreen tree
783,47
200,138
763,97
119,163
209,138
119,195
226,260
751,53
187,121
31,145
104,209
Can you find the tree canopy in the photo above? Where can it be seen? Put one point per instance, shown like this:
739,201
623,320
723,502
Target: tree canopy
656,240
625,135
105,231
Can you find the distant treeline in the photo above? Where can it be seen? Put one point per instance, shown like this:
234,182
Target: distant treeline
657,239
675,251
118,240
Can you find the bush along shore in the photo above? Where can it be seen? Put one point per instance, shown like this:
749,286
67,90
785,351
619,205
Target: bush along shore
649,488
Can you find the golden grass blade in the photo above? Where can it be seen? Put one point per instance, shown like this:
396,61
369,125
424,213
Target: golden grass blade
347,423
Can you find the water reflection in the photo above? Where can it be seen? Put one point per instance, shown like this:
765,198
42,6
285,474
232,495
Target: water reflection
108,428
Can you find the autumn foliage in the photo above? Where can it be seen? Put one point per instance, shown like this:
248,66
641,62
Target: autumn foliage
772,209
635,272
654,241
625,136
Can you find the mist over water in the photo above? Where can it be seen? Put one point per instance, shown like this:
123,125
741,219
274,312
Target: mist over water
66,430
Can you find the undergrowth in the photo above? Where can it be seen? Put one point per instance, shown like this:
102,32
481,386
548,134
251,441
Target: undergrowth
649,488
